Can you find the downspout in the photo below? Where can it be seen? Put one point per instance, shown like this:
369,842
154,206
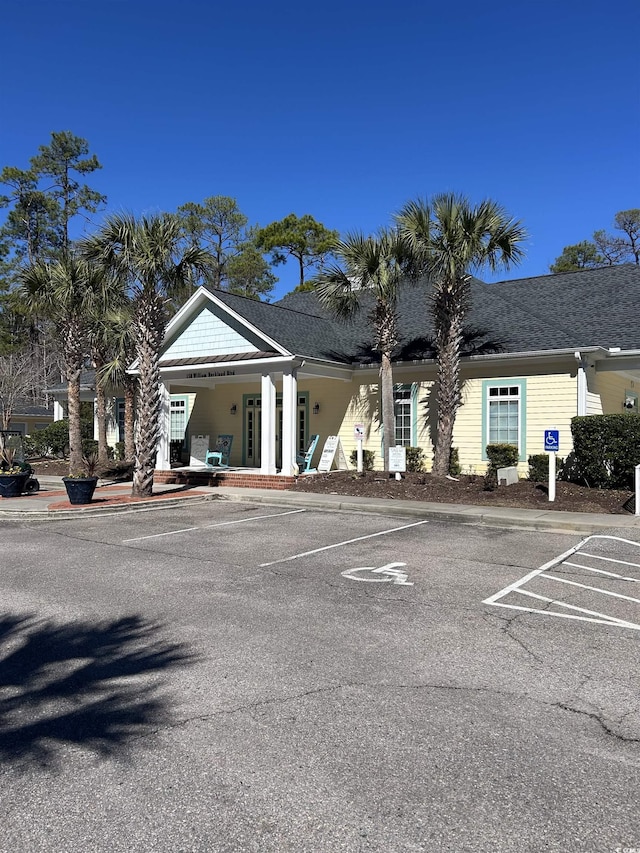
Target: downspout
581,378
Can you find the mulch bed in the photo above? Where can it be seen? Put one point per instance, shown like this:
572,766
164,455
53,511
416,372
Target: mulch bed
467,489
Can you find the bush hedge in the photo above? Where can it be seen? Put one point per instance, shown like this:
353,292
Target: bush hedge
416,461
499,456
455,467
606,450
53,440
368,459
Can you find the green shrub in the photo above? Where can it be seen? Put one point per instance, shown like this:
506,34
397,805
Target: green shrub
454,462
539,467
52,440
606,450
415,459
89,447
368,459
30,447
500,456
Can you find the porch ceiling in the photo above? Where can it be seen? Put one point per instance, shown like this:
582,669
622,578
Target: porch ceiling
217,359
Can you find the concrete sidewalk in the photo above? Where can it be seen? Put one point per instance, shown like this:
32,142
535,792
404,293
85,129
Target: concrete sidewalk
51,504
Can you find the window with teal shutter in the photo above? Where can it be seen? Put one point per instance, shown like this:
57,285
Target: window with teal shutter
504,414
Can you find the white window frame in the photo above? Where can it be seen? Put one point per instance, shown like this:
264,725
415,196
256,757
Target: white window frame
514,391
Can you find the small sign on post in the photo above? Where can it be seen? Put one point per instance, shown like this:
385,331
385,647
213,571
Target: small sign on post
358,434
551,446
397,460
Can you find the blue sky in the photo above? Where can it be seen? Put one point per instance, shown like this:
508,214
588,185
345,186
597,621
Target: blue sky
344,110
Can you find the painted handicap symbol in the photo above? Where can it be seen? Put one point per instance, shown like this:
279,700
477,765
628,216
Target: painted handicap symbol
384,574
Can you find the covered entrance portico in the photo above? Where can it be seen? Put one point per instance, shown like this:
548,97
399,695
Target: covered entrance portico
270,422
240,374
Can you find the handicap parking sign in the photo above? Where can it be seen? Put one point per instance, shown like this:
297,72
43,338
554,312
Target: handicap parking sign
551,440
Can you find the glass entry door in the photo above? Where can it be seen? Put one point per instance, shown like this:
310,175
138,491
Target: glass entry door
252,428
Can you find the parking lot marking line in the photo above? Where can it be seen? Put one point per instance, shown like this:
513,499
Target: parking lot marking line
606,621
593,616
514,586
593,588
609,559
612,620
209,526
601,571
614,538
340,544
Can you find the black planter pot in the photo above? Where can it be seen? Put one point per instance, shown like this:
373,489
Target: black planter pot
80,489
13,485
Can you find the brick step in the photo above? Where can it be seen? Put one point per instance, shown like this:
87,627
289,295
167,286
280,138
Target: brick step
224,478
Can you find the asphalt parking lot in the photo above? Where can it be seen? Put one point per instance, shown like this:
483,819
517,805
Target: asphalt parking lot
238,677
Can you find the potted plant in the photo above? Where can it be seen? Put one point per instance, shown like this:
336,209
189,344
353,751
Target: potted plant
81,483
13,477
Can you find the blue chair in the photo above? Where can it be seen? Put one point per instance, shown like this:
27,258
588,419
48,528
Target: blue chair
220,456
303,460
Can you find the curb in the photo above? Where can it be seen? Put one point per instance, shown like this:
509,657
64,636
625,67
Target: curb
66,514
546,521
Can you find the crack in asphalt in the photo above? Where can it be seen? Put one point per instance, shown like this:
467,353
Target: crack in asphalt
283,700
506,629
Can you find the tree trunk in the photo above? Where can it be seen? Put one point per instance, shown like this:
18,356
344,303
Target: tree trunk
129,419
449,397
150,328
75,435
388,417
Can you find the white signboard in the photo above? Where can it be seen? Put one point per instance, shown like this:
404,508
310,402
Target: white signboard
332,451
358,432
397,458
199,448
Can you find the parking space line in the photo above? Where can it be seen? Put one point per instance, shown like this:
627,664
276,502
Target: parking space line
591,615
340,544
593,588
601,571
609,559
209,526
600,618
534,574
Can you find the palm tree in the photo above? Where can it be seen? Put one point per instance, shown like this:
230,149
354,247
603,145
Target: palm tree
62,291
147,254
372,265
118,324
449,238
105,332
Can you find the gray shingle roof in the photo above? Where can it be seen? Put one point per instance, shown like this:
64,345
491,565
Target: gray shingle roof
87,382
29,410
575,310
302,333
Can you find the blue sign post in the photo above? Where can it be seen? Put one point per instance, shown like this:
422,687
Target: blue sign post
551,440
551,446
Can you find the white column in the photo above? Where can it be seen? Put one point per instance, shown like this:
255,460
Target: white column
58,411
582,389
96,431
289,409
163,459
581,380
268,444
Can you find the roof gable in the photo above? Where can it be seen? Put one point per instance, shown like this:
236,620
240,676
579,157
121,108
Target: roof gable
210,334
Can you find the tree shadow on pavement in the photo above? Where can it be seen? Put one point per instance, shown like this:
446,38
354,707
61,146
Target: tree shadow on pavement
94,685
